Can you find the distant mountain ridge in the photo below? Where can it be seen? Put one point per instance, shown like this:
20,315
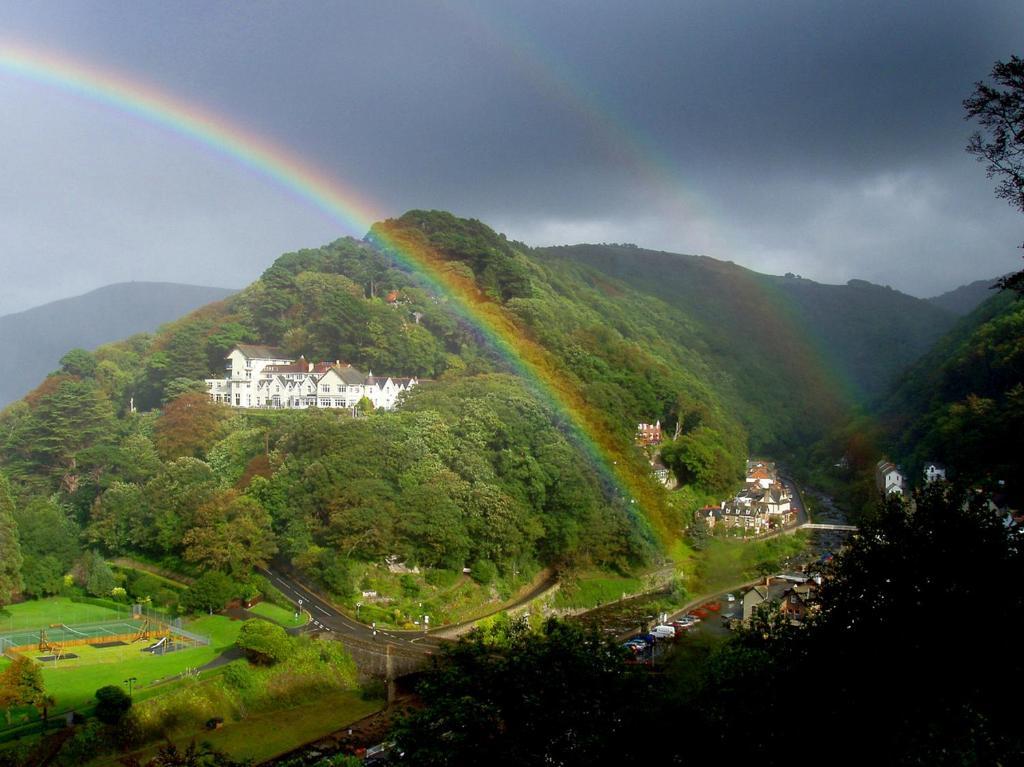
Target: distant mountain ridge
966,298
863,334
33,341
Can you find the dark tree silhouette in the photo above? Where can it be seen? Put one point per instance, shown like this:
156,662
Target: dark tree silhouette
999,110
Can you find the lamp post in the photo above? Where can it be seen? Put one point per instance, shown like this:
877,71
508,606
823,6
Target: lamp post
129,682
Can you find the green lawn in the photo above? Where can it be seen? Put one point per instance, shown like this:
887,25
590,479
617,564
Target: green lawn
74,683
596,588
278,614
727,561
41,613
262,736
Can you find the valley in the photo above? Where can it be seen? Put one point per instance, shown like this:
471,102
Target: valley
241,456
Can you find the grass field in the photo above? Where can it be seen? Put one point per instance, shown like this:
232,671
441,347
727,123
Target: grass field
279,615
262,736
596,588
73,683
40,613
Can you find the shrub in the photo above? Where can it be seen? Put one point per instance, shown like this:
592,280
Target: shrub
241,677
112,703
410,586
210,592
483,572
145,585
264,642
109,603
440,578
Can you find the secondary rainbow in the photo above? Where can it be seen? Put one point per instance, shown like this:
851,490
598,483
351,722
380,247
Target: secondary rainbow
356,213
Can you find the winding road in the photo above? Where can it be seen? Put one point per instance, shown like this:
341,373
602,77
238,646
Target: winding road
329,619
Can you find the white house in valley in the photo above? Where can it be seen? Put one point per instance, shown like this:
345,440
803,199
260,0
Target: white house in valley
264,377
890,479
934,472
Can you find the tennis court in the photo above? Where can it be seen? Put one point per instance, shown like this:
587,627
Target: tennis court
84,633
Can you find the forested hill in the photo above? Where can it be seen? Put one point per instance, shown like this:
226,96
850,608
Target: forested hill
863,335
966,298
476,468
962,403
33,341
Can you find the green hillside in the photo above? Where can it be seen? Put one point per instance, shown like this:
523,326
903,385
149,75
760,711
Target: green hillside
802,353
962,403
478,468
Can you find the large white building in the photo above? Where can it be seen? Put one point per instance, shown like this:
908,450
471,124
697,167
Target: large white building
264,377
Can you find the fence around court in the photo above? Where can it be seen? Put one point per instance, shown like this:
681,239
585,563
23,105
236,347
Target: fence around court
144,626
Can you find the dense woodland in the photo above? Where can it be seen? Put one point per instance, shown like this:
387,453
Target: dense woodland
876,675
120,451
963,402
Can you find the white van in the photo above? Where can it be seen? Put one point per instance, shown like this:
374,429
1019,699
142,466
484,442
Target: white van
664,632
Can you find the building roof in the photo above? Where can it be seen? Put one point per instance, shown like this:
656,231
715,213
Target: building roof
256,351
349,375
299,366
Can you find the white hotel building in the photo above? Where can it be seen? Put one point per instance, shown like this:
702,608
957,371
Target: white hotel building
264,377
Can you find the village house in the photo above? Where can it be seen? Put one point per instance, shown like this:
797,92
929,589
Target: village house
794,602
889,479
265,377
934,472
710,515
662,473
648,434
761,473
764,503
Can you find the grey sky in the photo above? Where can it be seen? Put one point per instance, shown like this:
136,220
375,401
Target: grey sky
820,138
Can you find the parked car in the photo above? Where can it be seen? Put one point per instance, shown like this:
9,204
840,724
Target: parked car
693,618
664,631
730,597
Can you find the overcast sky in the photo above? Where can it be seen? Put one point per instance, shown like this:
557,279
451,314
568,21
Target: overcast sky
821,138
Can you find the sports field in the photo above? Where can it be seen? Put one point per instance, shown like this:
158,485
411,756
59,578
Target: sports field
56,610
73,681
63,633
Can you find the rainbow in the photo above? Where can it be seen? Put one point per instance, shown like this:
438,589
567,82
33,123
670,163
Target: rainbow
608,453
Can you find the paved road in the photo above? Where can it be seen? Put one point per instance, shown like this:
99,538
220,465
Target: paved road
796,500
329,619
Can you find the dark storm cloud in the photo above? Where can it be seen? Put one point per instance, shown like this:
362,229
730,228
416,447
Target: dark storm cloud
820,138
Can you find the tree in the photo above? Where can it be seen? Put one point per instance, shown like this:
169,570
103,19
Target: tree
78,362
883,647
264,642
232,532
21,684
10,548
112,704
99,578
999,109
211,592
699,534
188,425
515,696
